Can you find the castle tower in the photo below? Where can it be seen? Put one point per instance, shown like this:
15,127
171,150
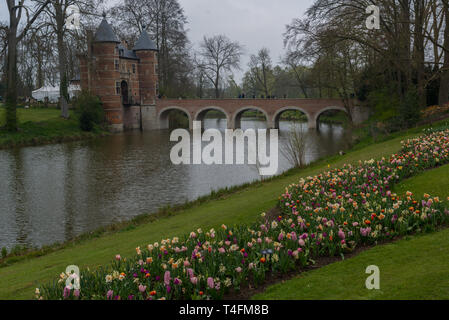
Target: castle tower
125,80
146,51
105,74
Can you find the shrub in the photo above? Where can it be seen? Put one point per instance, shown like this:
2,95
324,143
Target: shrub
4,252
410,110
393,113
90,110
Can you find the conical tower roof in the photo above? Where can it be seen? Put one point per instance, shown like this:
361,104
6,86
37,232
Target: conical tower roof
105,33
144,42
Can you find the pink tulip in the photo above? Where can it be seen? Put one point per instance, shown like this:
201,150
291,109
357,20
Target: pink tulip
210,282
66,293
142,288
294,236
167,278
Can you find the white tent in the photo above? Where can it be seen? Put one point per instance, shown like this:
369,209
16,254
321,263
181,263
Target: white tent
52,93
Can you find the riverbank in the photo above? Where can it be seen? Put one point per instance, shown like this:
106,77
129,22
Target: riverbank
43,126
240,206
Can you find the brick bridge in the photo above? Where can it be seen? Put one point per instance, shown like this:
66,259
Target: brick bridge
234,108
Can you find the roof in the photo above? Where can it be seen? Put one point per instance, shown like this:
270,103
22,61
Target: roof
125,53
105,33
144,42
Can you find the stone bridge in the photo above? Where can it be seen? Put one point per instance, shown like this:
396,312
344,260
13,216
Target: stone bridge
233,109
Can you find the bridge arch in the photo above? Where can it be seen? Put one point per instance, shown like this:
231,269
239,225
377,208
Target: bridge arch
237,117
279,112
163,116
201,114
319,113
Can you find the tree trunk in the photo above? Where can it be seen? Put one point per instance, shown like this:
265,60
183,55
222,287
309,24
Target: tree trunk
40,71
217,86
11,89
444,79
404,40
63,81
419,51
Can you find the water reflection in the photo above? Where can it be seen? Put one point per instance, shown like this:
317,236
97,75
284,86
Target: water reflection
52,193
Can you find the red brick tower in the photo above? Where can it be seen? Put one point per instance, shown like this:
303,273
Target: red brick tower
100,72
106,73
125,80
146,51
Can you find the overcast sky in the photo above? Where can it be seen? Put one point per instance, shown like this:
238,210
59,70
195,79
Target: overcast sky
253,23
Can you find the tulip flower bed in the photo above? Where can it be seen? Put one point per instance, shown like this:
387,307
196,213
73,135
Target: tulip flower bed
326,215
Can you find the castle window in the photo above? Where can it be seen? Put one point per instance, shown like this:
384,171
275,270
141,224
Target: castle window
117,64
118,88
134,68
156,69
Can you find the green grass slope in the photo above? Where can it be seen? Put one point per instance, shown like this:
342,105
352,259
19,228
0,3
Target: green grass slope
412,268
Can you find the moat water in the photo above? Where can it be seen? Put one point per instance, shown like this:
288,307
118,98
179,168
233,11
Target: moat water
53,193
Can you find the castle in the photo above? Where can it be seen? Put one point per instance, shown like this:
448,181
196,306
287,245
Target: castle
125,80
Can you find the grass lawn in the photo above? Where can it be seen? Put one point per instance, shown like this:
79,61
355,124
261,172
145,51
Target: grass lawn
19,280
33,115
414,268
39,126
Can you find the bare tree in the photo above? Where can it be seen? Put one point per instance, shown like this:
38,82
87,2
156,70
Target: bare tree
165,21
261,71
57,14
219,55
15,10
293,61
295,147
